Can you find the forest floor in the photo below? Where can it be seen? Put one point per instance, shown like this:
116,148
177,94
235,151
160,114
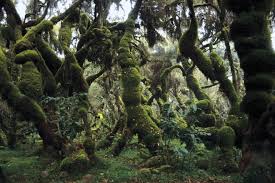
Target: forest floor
28,165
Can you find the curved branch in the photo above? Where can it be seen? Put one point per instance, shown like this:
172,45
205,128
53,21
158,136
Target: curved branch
92,78
67,12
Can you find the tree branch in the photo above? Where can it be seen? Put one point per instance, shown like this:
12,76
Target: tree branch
38,20
11,10
92,78
67,12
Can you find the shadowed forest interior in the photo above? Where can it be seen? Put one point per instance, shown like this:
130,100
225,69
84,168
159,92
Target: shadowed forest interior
137,91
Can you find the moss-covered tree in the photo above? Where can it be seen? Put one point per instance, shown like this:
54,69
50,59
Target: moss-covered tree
251,35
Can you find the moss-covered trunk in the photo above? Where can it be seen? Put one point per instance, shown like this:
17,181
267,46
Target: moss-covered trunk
251,35
138,120
27,106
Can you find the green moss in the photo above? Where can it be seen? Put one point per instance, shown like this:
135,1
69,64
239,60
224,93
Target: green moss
74,77
205,105
45,25
203,63
193,84
26,42
84,23
22,45
31,81
4,75
27,55
239,124
188,48
51,59
65,34
142,124
189,38
77,161
138,120
30,110
79,82
217,62
226,85
49,84
226,137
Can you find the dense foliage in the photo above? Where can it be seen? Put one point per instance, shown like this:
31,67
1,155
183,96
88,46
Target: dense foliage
174,91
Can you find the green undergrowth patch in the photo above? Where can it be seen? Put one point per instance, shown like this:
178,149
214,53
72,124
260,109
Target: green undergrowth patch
30,166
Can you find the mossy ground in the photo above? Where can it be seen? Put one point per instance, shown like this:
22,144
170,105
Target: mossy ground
30,166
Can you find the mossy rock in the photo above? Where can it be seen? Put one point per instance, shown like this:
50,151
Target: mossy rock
78,161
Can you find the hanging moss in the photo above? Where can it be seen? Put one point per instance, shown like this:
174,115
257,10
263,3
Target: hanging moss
65,34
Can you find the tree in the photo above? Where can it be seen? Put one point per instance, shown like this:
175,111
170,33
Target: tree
251,35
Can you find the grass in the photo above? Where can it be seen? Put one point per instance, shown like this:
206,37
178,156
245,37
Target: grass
27,166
